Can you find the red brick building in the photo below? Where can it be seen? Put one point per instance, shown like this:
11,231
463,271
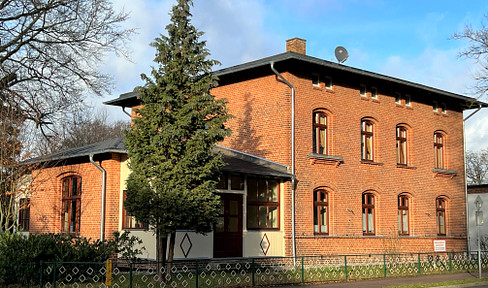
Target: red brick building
360,163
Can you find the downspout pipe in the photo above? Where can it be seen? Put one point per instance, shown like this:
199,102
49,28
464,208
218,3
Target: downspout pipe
293,180
104,190
126,113
465,176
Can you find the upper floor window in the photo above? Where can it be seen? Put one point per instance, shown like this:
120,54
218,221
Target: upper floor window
435,107
24,214
319,133
403,207
362,90
408,100
328,82
71,208
439,150
401,145
130,222
374,93
321,212
441,216
368,214
262,203
443,108
367,140
398,98
315,80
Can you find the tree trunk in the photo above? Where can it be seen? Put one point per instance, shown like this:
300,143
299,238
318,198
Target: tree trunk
171,252
161,245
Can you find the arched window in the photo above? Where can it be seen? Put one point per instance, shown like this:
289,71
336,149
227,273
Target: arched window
321,212
403,215
367,140
71,210
368,214
441,216
439,150
401,145
320,133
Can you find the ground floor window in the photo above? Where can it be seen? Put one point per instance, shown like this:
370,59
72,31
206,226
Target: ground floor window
441,216
368,214
262,203
71,209
130,222
321,212
24,214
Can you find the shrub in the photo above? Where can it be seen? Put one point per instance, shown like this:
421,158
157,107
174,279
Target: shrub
21,255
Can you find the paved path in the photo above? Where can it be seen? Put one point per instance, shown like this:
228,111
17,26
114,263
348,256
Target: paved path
403,281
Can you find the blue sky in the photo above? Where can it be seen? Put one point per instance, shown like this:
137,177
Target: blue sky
406,39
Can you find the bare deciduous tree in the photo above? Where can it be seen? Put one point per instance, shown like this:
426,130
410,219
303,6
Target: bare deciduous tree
50,52
477,50
477,166
85,127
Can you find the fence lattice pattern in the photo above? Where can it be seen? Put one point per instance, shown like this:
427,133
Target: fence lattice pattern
256,271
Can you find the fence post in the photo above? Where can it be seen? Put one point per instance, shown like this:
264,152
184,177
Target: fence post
196,273
450,261
40,274
345,266
384,264
420,266
54,273
303,273
130,275
252,272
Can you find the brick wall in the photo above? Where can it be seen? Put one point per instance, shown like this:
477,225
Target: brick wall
46,201
262,127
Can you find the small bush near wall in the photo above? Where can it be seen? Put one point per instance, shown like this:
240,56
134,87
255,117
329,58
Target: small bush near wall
20,256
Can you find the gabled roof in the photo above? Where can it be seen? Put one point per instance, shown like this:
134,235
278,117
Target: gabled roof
288,59
236,161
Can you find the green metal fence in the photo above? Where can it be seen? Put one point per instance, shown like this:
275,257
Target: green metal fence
255,271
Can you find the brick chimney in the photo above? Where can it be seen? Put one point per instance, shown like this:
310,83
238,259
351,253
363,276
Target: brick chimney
296,45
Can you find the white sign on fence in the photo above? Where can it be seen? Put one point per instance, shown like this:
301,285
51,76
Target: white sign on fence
439,245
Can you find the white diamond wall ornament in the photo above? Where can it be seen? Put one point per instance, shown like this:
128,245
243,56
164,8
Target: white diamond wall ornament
186,245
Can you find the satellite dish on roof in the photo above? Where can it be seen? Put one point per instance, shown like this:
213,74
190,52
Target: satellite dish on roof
341,54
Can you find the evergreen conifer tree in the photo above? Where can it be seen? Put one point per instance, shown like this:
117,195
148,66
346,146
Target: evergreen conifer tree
173,170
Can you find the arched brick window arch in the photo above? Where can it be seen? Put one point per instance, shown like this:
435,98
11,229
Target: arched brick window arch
71,204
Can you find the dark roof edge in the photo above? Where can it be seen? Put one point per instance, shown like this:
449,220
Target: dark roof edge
70,156
254,159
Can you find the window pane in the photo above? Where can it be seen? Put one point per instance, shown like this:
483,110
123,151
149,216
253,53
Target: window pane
370,221
263,219
273,190
237,182
273,217
233,224
252,217
223,183
252,189
442,224
323,219
234,207
262,190
316,220
219,226
364,220
405,221
74,186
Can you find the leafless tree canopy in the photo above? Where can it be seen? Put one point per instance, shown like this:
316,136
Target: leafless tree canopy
85,127
478,50
50,51
477,166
